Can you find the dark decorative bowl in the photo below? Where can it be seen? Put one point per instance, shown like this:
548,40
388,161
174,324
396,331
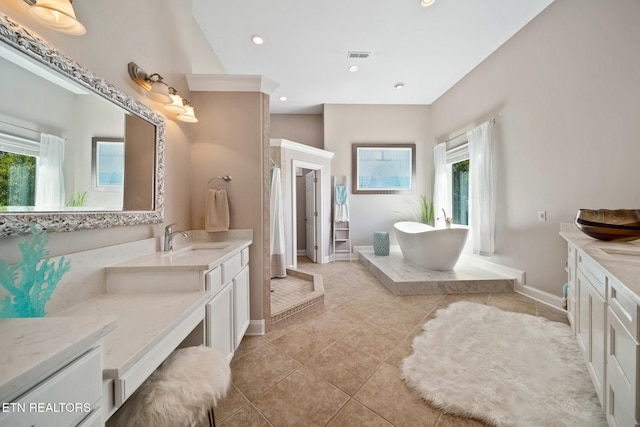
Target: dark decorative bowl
621,225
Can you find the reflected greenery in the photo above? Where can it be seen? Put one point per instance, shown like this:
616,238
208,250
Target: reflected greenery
17,180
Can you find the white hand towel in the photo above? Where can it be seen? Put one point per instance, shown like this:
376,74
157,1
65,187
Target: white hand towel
217,211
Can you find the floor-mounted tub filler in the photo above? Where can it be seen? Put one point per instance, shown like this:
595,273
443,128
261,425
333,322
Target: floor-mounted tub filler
429,247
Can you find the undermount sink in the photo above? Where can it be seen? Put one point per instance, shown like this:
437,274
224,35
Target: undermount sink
197,250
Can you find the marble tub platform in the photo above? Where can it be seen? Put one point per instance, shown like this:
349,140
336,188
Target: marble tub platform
404,278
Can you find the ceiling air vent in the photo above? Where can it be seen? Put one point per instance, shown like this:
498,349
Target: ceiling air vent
358,55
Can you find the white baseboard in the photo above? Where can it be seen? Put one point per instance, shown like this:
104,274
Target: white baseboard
301,252
256,327
520,278
542,296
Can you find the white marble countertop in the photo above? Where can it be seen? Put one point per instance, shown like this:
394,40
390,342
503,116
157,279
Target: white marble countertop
33,347
190,256
610,255
143,320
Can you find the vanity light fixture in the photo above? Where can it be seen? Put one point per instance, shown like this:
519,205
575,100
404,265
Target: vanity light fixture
189,115
57,15
159,91
426,3
177,103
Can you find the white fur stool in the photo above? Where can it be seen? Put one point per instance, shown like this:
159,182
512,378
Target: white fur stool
181,392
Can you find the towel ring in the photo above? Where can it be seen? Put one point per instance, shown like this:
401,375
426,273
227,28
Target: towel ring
225,178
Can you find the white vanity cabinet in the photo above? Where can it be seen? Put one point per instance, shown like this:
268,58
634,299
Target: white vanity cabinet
592,310
606,323
51,371
219,268
70,396
219,322
227,316
622,356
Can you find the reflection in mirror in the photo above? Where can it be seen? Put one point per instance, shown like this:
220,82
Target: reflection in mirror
75,152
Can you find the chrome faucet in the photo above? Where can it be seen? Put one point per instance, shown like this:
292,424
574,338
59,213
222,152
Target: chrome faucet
169,234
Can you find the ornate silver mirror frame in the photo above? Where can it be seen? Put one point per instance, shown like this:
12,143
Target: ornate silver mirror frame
21,39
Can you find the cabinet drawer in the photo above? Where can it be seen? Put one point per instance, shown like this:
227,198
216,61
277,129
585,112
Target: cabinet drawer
623,306
231,267
594,273
65,398
213,280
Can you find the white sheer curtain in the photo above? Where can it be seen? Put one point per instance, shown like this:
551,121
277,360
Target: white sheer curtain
441,190
49,174
482,189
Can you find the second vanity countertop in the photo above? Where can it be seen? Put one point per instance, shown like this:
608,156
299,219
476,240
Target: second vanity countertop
143,321
191,256
620,259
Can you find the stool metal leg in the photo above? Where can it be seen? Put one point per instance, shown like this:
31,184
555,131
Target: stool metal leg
212,418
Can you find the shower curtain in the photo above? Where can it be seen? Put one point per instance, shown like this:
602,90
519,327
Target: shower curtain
278,256
49,174
482,189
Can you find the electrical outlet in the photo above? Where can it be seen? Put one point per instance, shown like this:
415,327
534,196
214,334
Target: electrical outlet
542,215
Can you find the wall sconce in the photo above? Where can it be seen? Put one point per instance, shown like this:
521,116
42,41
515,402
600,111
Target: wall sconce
177,103
57,15
159,91
188,116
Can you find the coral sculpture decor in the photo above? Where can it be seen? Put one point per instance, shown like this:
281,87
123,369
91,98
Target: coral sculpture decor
32,281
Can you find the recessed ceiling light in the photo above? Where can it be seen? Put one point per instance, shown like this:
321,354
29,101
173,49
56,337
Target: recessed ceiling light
257,39
427,2
399,85
354,68
283,98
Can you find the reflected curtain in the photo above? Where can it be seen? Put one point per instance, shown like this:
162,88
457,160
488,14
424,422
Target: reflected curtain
277,246
49,174
441,190
482,189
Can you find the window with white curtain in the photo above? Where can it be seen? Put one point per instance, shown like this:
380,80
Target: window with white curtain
471,164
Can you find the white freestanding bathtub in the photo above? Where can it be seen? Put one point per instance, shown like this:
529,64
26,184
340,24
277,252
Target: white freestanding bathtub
429,247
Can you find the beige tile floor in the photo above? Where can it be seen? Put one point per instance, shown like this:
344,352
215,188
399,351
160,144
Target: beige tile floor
339,366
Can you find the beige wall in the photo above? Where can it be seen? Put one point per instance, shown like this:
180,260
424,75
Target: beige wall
346,124
228,140
303,128
118,32
567,87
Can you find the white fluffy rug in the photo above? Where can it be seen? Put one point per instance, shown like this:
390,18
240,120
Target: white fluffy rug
507,369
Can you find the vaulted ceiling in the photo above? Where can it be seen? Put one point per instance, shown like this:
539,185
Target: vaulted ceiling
307,45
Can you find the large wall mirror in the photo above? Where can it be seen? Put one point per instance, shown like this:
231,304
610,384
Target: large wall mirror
75,152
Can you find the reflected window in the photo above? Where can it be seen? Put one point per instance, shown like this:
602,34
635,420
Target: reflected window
108,162
17,179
